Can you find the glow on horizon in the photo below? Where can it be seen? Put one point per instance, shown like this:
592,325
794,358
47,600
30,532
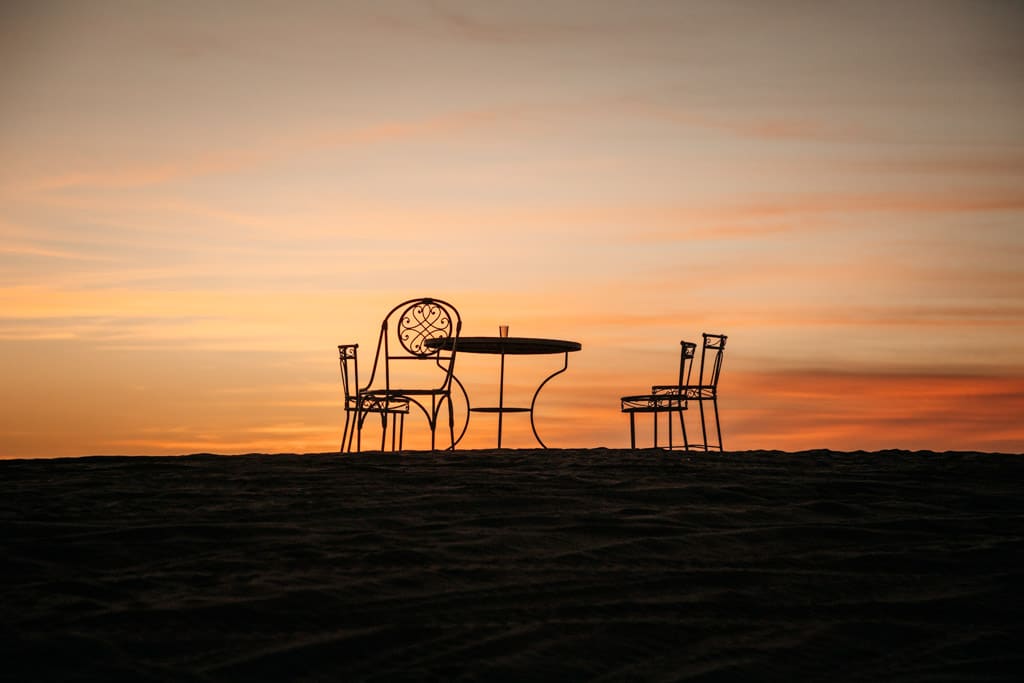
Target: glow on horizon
198,203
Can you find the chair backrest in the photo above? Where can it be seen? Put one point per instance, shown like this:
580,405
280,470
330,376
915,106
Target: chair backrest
687,351
348,360
711,359
403,336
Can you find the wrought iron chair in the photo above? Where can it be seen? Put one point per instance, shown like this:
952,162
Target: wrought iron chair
401,344
706,389
357,408
667,398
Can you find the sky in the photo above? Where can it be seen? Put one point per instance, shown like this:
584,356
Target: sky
200,200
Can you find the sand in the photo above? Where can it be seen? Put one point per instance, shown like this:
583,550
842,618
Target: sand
595,564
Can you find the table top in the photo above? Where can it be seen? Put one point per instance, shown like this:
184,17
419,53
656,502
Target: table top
507,345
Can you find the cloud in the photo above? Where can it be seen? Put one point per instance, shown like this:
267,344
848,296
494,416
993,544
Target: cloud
45,252
745,218
655,221
513,23
847,411
764,129
276,149
980,163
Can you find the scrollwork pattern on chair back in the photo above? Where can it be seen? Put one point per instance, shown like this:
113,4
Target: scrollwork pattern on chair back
422,321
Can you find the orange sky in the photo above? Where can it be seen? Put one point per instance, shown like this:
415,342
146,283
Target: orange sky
199,201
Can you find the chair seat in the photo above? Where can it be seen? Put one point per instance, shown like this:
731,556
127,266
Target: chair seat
689,391
379,404
652,403
398,393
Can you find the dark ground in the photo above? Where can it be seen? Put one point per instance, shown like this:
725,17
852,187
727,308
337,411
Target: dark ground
514,565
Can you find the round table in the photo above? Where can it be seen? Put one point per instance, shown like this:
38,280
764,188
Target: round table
509,346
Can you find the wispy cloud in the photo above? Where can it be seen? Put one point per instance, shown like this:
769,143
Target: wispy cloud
45,252
992,163
851,411
503,24
748,127
633,221
745,218
272,150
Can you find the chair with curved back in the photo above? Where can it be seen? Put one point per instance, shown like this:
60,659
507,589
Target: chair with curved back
405,369
664,398
357,408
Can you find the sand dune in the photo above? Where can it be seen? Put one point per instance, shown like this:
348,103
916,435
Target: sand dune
514,565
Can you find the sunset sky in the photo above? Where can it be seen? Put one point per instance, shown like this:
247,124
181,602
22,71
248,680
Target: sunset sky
200,200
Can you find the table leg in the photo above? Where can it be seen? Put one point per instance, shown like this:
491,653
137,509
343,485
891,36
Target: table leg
469,408
533,425
501,396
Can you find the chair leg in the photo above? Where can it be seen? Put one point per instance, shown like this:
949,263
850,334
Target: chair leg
383,430
632,431
352,432
655,416
682,427
670,430
703,426
360,421
401,431
433,422
349,434
718,425
344,432
357,431
451,422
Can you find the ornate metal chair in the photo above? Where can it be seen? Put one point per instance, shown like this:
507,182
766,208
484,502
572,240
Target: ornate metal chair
401,345
357,408
667,398
706,389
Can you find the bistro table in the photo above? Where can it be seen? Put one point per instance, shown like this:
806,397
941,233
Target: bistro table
510,346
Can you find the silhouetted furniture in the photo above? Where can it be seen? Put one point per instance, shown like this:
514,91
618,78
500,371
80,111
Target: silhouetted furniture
512,346
706,388
405,368
357,408
664,398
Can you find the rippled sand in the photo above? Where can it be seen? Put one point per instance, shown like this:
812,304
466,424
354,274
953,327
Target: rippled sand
514,565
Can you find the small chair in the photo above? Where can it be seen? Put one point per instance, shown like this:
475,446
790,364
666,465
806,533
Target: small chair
706,390
357,408
667,398
401,344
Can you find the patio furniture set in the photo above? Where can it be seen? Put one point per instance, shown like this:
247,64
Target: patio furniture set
426,333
